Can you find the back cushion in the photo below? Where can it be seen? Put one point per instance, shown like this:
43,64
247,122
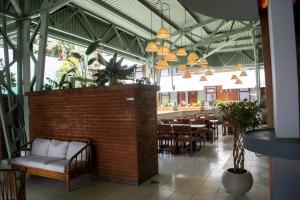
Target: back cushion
40,147
74,147
58,148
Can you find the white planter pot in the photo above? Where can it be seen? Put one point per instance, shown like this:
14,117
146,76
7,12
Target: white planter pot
237,184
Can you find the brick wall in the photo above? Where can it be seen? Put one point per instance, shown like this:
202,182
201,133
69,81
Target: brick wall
227,95
121,121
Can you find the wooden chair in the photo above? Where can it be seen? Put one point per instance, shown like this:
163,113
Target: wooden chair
165,138
12,184
182,136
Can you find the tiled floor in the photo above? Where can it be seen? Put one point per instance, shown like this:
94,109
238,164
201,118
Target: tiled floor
180,177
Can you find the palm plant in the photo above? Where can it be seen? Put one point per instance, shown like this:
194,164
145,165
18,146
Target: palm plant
62,84
114,72
241,116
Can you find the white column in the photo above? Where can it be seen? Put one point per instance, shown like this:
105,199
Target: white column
284,68
186,99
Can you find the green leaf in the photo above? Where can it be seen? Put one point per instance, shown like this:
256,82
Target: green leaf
92,47
91,61
101,60
76,55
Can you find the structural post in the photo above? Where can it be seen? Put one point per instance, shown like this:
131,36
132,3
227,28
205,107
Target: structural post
40,65
284,68
186,98
257,68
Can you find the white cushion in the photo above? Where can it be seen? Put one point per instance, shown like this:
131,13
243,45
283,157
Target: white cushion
57,166
34,161
40,147
58,148
74,147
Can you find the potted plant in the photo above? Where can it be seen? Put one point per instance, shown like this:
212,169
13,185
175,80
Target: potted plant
241,116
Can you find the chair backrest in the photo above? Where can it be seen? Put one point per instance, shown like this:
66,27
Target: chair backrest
181,129
12,184
166,121
164,129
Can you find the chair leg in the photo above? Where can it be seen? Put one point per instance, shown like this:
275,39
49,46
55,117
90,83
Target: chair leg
68,184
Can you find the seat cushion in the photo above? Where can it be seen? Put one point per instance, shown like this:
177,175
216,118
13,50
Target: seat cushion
34,161
40,147
74,147
57,166
58,148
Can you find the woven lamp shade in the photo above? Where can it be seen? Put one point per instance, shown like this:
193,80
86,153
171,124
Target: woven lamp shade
171,57
191,62
203,78
151,47
181,52
208,73
163,33
238,81
186,74
193,56
234,77
163,51
243,73
203,61
162,64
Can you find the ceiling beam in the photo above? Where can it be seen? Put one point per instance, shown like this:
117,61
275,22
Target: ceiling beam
224,44
225,35
201,24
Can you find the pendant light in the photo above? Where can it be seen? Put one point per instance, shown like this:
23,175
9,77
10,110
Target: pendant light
151,45
234,77
238,81
208,73
203,78
193,56
171,57
162,64
163,50
186,74
191,62
203,61
163,32
181,52
243,73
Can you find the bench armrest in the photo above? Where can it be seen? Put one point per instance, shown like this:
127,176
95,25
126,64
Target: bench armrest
77,161
26,147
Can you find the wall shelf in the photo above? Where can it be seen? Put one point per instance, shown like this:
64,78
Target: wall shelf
264,141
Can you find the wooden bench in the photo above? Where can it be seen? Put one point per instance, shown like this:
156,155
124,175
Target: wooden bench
65,159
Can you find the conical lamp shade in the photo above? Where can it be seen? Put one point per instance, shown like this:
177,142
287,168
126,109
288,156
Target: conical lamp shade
204,67
203,78
151,47
162,64
193,56
238,81
163,33
234,77
163,51
191,62
203,61
181,52
182,68
186,74
243,73
171,57
208,73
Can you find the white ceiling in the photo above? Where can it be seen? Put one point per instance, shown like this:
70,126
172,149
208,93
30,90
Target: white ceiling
243,10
